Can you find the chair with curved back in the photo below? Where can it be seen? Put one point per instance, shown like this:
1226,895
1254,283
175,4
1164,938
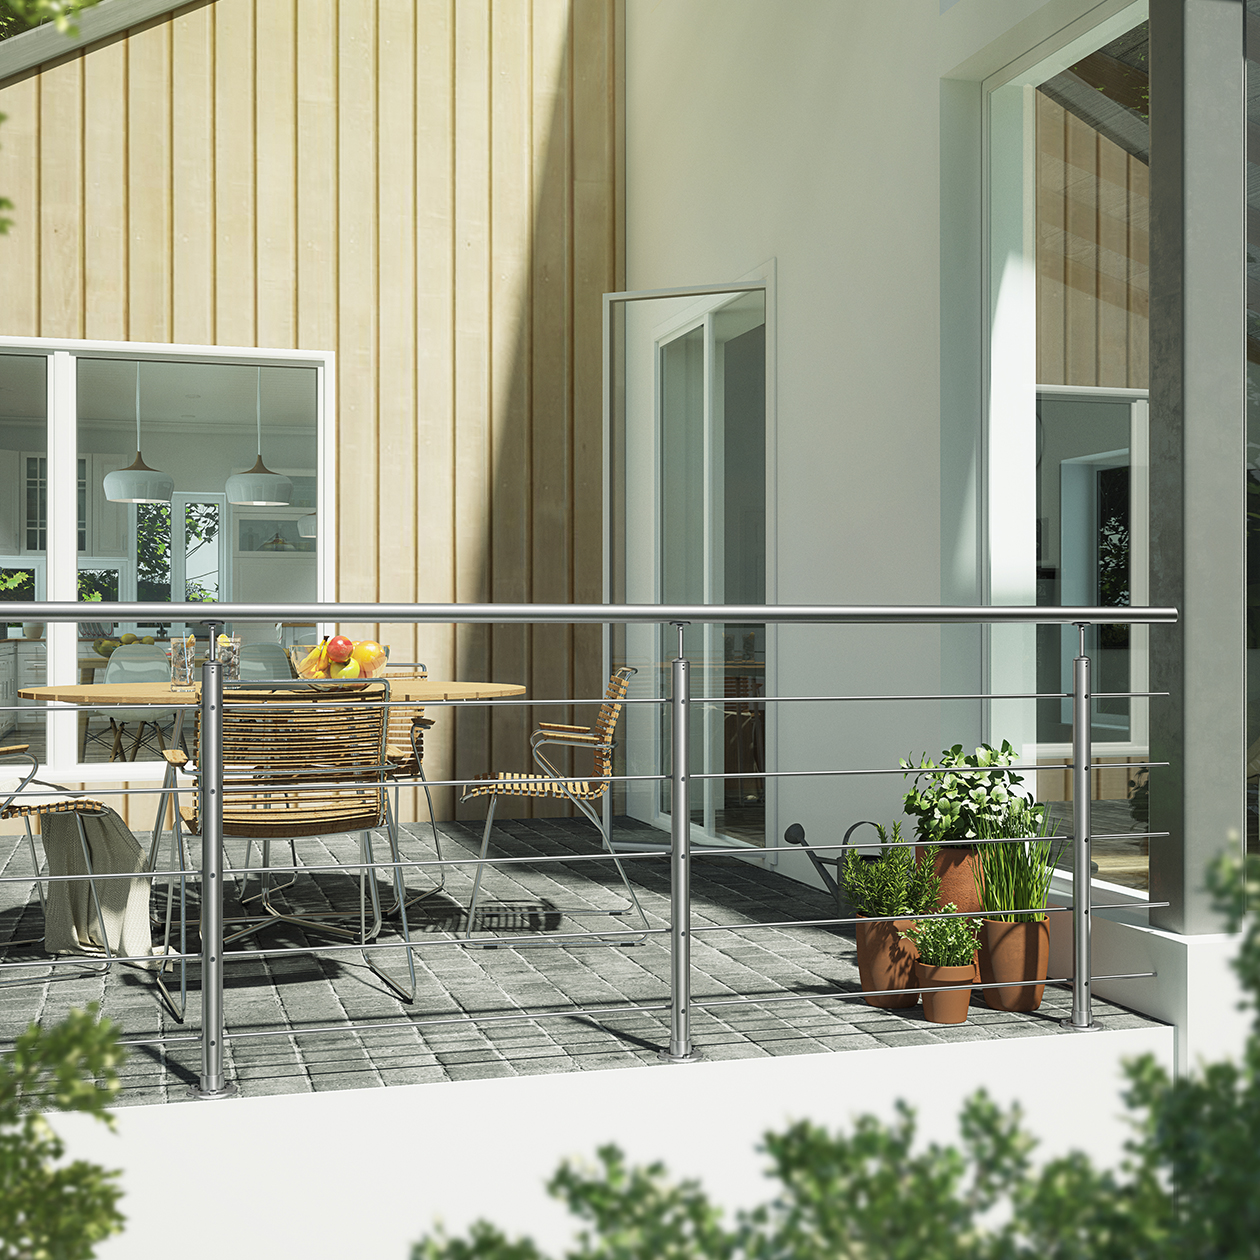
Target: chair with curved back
136,663
107,918
300,759
550,783
404,750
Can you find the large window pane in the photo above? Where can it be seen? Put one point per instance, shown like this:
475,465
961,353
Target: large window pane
23,535
199,423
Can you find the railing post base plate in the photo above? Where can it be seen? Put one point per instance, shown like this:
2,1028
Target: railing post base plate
1071,1027
665,1057
229,1090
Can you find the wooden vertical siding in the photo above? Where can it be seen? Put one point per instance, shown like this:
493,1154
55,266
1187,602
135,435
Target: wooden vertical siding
1092,255
427,187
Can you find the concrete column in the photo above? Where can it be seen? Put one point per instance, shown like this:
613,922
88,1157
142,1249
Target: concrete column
1198,434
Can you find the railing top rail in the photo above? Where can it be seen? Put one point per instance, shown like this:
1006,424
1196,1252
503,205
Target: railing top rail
597,614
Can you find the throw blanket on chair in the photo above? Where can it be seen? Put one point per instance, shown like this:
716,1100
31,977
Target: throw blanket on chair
72,925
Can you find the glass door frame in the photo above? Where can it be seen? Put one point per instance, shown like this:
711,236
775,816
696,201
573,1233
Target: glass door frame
762,279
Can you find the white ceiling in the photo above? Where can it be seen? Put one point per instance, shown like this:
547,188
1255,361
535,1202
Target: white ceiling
219,395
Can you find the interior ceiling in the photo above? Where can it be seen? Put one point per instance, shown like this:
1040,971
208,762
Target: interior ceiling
214,395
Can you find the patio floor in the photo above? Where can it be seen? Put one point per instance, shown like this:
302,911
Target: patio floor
808,964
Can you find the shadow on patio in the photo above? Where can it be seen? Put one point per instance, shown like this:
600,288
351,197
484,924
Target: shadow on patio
433,1040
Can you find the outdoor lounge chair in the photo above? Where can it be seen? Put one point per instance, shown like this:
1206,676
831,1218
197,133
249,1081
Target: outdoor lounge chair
548,782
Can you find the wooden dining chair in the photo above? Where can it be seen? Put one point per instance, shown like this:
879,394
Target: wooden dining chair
24,796
301,759
548,782
404,751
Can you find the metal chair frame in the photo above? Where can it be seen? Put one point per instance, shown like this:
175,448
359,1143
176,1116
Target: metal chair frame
579,792
284,785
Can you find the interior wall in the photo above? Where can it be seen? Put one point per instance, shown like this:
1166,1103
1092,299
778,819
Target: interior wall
426,187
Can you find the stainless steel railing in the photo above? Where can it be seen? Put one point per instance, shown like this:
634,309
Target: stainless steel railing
213,1083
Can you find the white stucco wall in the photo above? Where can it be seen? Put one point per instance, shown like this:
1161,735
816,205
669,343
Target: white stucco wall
365,1172
811,133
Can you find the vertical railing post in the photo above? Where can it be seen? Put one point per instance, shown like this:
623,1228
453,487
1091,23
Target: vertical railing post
210,773
1082,1019
680,1048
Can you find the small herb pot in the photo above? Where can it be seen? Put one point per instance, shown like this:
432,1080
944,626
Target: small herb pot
950,1005
886,961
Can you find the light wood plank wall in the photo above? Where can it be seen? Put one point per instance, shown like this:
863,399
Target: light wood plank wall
1092,255
428,187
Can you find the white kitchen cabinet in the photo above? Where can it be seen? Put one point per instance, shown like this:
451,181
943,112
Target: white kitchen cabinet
8,685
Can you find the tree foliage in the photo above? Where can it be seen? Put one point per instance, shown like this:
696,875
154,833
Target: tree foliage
1187,1186
51,1209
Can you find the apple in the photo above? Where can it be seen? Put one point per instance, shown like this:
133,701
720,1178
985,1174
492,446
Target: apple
344,669
339,648
371,657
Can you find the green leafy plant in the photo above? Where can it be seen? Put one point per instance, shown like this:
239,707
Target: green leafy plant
943,941
893,882
51,1209
950,803
1013,876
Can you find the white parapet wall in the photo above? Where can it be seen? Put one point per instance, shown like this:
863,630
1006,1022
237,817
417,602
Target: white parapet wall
366,1172
1194,987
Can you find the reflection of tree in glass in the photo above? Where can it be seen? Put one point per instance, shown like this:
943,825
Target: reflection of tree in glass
17,584
97,584
1113,550
153,548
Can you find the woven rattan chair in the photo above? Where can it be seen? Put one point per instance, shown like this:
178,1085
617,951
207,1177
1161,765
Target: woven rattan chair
301,759
404,751
550,783
23,799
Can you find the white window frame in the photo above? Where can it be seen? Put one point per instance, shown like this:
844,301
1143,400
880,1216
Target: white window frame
62,559
1009,357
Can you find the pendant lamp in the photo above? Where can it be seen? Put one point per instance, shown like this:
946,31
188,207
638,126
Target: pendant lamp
138,483
259,487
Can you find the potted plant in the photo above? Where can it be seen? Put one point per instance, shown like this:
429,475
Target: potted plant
951,804
891,883
1012,877
947,949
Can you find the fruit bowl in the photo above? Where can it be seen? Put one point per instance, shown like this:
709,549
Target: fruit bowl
310,660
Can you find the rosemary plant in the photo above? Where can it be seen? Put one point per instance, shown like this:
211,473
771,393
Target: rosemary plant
893,882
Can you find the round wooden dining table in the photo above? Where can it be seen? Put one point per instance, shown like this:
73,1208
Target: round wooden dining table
410,690
402,691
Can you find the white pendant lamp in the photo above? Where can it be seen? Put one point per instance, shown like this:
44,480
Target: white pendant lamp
260,487
138,483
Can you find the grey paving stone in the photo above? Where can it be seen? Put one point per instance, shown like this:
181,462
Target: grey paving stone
456,983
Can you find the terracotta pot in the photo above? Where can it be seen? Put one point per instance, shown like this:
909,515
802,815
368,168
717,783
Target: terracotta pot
949,1007
956,865
886,961
1012,952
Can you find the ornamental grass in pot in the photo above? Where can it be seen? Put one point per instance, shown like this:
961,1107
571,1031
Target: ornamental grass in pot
891,883
947,948
1013,877
951,800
